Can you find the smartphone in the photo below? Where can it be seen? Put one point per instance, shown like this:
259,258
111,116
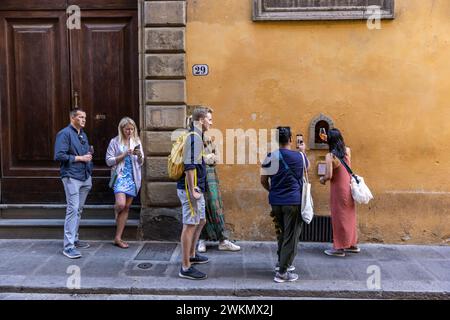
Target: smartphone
138,147
300,141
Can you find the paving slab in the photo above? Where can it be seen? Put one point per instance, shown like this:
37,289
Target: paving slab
38,267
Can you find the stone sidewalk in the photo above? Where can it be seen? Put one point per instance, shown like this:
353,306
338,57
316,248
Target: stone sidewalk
151,268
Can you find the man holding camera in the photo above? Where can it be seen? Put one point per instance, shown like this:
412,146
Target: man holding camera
73,152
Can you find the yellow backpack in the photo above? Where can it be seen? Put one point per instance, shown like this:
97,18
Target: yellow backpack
175,163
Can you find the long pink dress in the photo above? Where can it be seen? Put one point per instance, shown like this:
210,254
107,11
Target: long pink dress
343,210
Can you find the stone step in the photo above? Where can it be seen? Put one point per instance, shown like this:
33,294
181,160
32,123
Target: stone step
90,229
58,211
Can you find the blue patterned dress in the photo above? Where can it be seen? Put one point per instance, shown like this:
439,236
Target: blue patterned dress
125,181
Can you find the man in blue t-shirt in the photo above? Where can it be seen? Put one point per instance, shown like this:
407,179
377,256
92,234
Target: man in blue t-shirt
190,189
282,173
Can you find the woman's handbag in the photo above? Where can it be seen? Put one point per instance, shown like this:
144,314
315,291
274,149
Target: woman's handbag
307,200
360,191
307,207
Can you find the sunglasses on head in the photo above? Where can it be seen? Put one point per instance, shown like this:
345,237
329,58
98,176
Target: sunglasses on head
80,137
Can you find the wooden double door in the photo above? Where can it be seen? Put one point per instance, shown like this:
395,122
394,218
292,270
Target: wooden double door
47,69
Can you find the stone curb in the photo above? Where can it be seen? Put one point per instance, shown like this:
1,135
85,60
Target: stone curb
288,293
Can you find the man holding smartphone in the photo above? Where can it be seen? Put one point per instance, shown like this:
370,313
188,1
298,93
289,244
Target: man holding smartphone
281,175
72,151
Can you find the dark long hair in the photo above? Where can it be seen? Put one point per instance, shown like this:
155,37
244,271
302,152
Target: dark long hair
336,143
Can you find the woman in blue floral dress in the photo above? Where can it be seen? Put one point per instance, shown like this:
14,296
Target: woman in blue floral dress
126,157
125,181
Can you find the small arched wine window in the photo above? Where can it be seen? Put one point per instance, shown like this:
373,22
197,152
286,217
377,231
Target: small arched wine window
320,122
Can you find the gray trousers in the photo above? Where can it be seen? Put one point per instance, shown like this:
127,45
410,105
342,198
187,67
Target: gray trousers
76,194
289,222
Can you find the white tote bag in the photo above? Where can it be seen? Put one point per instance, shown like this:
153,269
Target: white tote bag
360,191
307,208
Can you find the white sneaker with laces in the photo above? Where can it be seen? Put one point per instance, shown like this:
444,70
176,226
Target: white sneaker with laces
227,245
201,248
286,277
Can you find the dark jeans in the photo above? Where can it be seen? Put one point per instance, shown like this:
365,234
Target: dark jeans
289,224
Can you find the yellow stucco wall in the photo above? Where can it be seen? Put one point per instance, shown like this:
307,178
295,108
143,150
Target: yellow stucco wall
388,90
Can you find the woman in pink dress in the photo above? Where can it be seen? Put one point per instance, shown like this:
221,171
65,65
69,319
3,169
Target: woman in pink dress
343,210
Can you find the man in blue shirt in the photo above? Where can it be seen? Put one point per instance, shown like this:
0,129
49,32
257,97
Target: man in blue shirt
282,173
73,152
190,189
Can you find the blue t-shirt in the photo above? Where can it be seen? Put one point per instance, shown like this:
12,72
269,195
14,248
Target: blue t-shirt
285,189
193,159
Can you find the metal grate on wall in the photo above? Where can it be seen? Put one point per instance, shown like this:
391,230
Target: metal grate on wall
319,230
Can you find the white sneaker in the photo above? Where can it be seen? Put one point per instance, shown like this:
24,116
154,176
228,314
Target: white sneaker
227,245
286,277
201,248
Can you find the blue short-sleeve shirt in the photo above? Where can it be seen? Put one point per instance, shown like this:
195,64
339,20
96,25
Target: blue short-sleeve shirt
193,159
285,189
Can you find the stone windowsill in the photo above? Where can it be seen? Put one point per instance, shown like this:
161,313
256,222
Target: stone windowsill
298,10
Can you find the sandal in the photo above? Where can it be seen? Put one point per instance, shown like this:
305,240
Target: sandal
121,244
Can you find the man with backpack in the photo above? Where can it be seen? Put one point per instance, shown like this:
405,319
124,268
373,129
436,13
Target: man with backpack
190,188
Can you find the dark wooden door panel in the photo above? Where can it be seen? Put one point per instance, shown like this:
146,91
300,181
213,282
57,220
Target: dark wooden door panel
63,4
39,57
105,74
32,190
33,4
50,190
104,64
35,90
104,4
